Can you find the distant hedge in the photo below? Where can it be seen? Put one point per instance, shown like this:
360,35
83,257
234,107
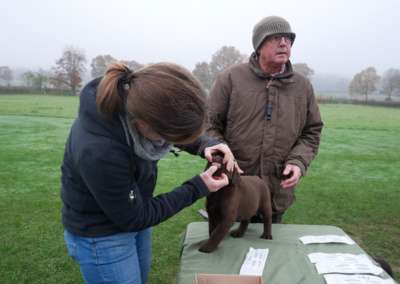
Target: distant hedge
333,100
20,90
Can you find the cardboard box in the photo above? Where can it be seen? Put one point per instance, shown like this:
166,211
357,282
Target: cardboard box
227,279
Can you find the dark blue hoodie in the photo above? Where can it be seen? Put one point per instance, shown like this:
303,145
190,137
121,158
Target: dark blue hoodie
106,188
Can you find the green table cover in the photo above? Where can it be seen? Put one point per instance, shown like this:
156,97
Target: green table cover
287,260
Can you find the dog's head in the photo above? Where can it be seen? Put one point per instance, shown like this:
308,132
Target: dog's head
217,159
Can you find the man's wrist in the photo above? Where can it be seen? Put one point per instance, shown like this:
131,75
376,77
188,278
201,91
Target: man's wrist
299,164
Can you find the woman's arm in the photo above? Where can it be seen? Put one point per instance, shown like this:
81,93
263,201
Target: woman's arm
111,181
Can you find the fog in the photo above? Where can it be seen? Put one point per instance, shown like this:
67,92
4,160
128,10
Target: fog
336,37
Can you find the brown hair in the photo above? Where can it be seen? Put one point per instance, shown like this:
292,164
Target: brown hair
164,95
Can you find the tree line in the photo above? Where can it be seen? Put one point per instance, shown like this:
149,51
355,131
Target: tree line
70,68
366,82
67,73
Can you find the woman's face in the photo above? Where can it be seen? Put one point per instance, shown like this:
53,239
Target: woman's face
146,131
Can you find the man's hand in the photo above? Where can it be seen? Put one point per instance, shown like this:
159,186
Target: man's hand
214,183
229,159
295,174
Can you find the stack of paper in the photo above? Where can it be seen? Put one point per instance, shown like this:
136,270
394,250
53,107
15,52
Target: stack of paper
353,267
254,262
355,279
324,239
344,263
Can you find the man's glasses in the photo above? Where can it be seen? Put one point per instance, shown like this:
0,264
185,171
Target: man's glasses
277,39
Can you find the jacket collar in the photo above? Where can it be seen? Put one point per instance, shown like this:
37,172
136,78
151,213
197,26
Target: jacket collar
92,120
256,69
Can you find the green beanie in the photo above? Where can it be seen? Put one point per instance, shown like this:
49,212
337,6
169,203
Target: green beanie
268,26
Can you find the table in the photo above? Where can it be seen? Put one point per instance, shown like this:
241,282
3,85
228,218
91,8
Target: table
287,260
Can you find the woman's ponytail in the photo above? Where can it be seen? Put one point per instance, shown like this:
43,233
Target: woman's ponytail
110,92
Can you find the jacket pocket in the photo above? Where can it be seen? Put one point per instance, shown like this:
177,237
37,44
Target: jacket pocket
282,198
114,248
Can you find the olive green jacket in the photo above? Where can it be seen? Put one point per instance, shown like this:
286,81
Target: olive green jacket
266,121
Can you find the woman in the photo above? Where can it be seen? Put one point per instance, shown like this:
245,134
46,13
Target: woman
128,121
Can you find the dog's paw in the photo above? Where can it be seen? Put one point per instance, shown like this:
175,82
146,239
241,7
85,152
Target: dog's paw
207,248
237,234
267,237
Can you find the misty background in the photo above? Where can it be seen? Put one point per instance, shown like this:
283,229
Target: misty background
336,39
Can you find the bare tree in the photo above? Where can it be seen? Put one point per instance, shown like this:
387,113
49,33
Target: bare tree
391,82
37,80
69,69
364,82
132,64
303,69
100,64
203,73
223,58
6,75
226,56
28,78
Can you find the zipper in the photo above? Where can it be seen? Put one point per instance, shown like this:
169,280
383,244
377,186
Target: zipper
268,109
132,196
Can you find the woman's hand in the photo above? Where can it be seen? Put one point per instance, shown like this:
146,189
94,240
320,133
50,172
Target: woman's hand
229,159
214,183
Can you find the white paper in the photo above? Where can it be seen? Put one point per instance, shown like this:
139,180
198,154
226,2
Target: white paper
254,262
344,263
325,239
339,257
355,279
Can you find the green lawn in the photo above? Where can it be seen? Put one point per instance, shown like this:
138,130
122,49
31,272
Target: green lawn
354,184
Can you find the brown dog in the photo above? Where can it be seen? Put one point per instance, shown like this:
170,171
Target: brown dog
239,201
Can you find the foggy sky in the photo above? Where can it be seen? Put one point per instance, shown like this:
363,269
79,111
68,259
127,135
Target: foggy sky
336,37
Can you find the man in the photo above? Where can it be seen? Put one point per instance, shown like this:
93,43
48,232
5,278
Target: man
267,113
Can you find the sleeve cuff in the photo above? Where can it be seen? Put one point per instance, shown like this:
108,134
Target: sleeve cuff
299,164
199,184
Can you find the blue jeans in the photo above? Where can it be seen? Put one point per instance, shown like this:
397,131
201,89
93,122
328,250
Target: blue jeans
123,258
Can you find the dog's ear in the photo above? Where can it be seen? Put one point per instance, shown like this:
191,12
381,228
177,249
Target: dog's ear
235,177
218,159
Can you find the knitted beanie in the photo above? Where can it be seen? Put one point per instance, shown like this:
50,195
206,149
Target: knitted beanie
270,26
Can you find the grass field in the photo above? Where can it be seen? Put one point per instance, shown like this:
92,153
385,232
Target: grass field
354,184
